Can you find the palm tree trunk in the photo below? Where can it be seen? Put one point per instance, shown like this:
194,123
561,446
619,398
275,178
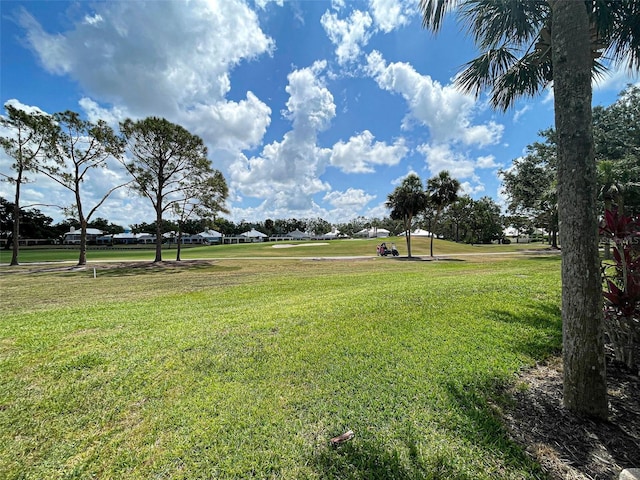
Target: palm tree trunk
585,390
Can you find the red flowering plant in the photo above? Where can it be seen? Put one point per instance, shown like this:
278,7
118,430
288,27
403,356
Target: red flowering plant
622,285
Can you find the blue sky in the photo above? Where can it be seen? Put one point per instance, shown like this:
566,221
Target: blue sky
310,108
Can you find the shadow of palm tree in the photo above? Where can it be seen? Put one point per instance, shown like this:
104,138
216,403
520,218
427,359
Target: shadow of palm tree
545,319
366,459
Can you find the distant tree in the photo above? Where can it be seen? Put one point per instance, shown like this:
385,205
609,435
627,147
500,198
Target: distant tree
143,227
531,185
268,228
25,139
6,220
166,160
225,226
80,147
407,201
615,127
318,226
286,225
617,150
104,225
485,221
202,197
521,223
457,216
33,223
394,226
166,226
442,191
352,227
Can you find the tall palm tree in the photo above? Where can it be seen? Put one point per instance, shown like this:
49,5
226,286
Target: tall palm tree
524,46
405,202
442,191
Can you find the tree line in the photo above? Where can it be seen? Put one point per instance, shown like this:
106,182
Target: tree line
166,164
530,186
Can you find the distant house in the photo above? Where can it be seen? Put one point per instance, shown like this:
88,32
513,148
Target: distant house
146,238
251,236
72,237
211,236
372,233
254,235
196,239
289,237
126,238
104,240
186,239
418,232
332,235
298,235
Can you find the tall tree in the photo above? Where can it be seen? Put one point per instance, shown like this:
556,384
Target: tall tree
585,386
406,201
458,215
525,45
616,129
24,139
166,161
485,221
531,185
442,191
80,147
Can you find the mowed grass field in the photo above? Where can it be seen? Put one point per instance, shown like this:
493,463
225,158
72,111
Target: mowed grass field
246,368
420,246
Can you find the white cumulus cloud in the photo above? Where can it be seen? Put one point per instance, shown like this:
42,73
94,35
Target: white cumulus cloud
348,35
287,173
442,157
349,202
131,61
361,154
391,14
446,112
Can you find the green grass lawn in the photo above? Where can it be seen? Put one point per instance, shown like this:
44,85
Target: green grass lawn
246,369
420,246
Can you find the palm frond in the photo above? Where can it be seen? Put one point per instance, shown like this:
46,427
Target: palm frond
482,72
434,11
624,41
514,22
527,77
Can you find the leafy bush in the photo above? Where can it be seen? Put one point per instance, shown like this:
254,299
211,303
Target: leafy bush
622,285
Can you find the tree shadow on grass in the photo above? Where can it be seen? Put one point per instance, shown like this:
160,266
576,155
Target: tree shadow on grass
545,318
480,405
366,459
